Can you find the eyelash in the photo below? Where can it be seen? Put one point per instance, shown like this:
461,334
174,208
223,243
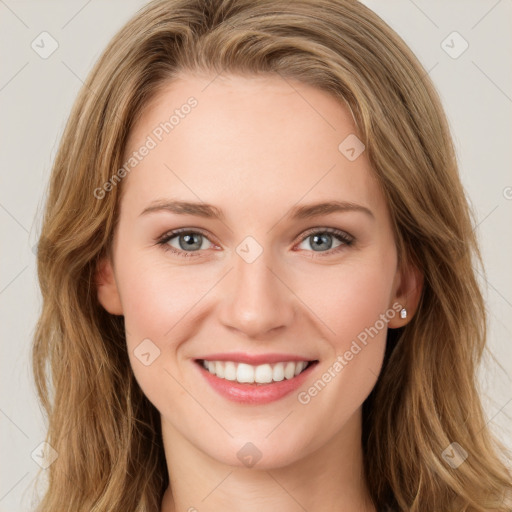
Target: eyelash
343,237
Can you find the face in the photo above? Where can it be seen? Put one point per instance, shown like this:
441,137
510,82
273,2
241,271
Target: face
258,276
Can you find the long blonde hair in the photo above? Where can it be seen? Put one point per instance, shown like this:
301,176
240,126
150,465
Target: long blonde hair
105,431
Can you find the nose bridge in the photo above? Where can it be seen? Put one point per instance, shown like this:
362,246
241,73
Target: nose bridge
256,300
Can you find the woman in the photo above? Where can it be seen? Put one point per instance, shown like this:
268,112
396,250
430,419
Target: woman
202,356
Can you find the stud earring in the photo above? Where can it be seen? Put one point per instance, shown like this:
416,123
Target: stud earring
403,313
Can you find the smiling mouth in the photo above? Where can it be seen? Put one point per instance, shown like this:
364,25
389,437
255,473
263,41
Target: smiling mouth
255,374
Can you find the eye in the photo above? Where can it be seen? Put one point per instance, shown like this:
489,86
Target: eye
186,242
322,239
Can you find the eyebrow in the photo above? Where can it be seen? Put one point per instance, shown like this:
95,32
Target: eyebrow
212,212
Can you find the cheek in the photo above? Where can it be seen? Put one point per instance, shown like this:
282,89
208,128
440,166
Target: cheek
156,297
355,307
351,298
157,303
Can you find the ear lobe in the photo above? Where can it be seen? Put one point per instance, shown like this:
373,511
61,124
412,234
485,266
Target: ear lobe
108,294
407,294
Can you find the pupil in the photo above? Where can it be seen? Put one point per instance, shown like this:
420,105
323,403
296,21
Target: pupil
189,241
324,238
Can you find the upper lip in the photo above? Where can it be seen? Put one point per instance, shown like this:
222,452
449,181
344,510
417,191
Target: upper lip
254,359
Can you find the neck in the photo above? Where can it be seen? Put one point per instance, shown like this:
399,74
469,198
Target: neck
328,479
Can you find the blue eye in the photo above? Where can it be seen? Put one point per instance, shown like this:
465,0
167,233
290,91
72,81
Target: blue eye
322,240
187,240
192,241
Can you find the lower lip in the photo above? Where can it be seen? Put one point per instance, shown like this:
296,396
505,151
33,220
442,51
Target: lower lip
255,393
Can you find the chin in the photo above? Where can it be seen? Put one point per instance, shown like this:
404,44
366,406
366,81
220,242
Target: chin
256,452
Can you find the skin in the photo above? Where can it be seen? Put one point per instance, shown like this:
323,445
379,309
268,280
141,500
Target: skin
255,147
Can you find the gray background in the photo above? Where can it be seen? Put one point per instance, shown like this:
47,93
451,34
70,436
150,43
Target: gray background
36,95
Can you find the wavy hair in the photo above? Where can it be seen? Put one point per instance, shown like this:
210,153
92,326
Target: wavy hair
106,432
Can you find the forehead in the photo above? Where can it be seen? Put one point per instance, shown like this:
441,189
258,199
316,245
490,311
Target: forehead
257,142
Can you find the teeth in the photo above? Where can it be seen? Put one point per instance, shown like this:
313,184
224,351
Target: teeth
245,373
299,367
219,370
229,370
289,370
278,373
262,374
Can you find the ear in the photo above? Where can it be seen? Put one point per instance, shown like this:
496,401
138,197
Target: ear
108,294
407,292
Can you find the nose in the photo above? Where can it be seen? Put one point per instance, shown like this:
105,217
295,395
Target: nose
258,300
